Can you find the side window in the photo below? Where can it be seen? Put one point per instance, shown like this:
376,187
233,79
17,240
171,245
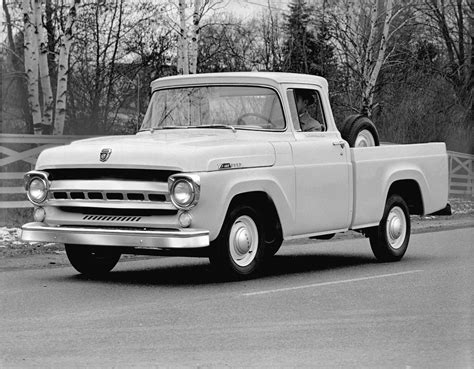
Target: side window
309,110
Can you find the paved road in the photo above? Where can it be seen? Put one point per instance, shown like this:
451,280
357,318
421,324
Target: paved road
322,305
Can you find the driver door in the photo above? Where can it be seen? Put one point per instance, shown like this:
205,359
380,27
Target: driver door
322,174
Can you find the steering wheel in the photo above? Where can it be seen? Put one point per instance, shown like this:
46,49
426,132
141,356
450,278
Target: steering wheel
241,121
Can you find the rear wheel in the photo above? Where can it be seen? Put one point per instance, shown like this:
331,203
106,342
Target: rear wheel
90,260
238,250
389,241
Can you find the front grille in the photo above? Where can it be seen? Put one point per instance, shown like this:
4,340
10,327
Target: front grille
110,188
87,211
110,173
107,195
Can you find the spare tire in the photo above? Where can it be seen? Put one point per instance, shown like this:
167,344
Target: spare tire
359,131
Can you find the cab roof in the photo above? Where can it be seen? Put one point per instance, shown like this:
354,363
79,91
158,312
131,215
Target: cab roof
266,78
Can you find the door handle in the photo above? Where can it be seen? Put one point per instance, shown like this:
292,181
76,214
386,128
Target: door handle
339,143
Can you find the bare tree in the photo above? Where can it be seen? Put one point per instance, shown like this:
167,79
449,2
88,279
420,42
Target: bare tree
470,84
189,30
193,49
46,111
230,44
63,67
375,53
363,32
31,65
183,50
44,75
270,30
15,102
453,22
119,45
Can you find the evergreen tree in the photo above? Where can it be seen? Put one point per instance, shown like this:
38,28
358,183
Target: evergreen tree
306,49
324,60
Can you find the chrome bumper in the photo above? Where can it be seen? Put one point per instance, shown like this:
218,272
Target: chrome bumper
152,239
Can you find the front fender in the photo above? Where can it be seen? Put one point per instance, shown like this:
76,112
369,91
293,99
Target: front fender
219,188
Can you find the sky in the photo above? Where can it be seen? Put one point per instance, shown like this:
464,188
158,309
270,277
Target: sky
250,7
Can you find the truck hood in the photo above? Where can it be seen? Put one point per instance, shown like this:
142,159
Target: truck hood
192,150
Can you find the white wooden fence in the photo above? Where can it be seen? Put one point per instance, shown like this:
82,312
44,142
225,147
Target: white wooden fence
461,175
18,154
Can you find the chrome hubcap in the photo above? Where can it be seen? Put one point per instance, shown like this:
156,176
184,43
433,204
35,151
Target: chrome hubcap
243,240
396,227
365,139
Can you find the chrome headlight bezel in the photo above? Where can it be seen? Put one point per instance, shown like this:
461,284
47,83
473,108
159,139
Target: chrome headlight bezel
42,177
194,184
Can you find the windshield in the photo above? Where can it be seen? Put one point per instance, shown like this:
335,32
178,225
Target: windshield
233,106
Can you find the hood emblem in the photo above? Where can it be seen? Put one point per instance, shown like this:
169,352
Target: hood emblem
105,154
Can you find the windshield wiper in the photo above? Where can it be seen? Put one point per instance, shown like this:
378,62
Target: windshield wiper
162,128
215,126
170,127
186,127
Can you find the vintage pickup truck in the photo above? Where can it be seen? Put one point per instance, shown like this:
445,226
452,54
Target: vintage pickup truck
228,166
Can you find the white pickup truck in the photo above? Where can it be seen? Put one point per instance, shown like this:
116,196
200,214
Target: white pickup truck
228,166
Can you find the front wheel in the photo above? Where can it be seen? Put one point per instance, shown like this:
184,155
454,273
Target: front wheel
92,261
273,239
238,250
389,241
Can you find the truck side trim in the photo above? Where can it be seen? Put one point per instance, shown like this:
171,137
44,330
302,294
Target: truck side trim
308,235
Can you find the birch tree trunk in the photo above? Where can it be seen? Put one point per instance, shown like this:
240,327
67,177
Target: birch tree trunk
375,53
183,52
63,68
31,65
470,57
42,42
369,51
11,41
113,61
193,55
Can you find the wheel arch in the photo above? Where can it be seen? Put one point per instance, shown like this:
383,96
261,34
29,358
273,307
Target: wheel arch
263,202
410,191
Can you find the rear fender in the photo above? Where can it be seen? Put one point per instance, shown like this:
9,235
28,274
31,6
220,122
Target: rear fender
411,174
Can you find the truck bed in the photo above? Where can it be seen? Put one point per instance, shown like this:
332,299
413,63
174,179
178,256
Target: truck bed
375,169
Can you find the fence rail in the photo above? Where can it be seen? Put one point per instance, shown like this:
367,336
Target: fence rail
18,154
461,175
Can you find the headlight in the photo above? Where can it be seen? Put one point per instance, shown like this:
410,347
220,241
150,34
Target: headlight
37,186
184,190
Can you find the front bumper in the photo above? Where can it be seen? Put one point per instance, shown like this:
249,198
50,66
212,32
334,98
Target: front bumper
151,239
